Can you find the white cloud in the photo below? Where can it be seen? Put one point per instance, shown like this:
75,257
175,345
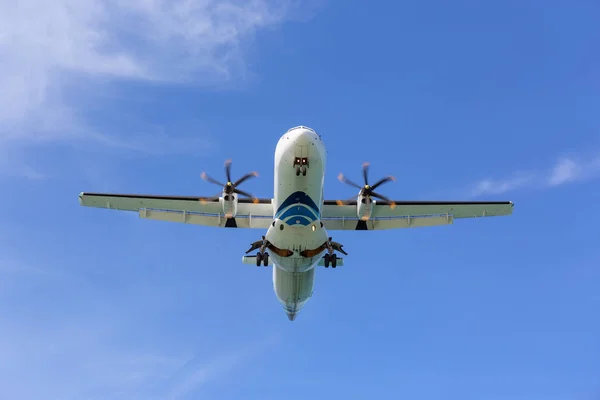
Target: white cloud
565,170
489,186
57,55
568,170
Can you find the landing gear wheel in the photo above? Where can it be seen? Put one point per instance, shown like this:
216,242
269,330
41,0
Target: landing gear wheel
266,259
326,260
333,260
297,171
258,259
303,171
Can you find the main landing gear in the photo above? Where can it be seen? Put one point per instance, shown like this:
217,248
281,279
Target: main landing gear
330,257
301,164
262,257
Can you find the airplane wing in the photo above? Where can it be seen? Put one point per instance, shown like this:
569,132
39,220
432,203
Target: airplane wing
408,214
251,213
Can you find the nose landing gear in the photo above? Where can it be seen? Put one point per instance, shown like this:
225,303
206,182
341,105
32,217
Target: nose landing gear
301,164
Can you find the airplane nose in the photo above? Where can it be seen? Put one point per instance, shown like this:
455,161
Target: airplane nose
291,316
304,137
301,135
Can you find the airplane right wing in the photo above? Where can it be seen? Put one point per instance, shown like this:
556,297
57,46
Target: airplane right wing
408,214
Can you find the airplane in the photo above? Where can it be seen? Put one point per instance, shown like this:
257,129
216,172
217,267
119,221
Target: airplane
297,219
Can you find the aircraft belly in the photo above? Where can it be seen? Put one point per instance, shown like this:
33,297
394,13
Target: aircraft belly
293,289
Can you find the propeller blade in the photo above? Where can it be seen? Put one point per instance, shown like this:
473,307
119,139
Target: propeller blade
392,203
347,181
245,177
207,178
205,200
365,170
346,202
382,181
241,192
228,170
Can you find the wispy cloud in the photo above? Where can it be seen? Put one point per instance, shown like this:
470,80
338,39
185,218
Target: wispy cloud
204,372
58,55
566,170
491,186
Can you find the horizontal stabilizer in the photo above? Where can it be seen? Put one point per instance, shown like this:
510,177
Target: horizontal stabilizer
339,262
252,261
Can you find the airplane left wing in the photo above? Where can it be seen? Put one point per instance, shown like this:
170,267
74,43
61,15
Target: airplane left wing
251,213
408,214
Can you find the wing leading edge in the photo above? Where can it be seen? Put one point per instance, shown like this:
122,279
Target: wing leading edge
251,213
409,214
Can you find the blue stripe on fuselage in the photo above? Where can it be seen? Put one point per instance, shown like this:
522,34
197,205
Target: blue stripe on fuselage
297,220
298,198
298,209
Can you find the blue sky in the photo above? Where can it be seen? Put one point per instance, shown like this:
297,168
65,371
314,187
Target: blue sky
458,100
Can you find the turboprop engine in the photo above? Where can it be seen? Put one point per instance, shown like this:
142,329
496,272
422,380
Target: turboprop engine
230,192
364,207
364,201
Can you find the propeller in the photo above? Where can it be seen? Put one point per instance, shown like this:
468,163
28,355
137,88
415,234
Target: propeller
229,187
368,190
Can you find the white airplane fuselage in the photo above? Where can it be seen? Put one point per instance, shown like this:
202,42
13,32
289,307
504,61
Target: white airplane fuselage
296,226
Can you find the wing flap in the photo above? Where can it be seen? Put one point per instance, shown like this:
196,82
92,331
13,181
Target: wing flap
458,209
184,209
387,223
246,221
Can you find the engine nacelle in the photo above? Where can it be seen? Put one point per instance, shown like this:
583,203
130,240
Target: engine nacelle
364,207
229,204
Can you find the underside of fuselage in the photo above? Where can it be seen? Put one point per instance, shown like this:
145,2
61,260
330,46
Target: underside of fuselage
296,236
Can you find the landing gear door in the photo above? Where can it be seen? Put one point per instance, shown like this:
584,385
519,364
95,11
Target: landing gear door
301,152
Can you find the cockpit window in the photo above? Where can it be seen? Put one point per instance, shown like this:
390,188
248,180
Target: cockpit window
301,127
